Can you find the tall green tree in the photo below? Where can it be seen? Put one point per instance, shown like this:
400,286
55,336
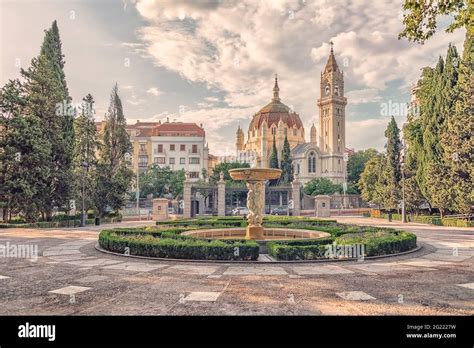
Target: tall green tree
24,152
274,156
356,164
425,131
48,100
371,183
457,139
113,177
392,167
86,147
286,163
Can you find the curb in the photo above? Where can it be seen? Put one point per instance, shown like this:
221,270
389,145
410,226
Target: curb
98,248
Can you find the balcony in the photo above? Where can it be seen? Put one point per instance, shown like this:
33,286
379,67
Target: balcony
142,152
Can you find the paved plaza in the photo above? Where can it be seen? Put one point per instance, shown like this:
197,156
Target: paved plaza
70,276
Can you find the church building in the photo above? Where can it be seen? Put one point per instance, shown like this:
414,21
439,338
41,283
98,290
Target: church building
323,155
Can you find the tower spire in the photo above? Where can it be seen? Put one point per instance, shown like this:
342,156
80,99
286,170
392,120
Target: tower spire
276,90
331,64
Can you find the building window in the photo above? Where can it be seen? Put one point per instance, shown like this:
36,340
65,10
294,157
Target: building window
336,90
193,160
195,149
312,162
182,160
143,161
182,147
171,147
297,169
142,147
194,175
273,131
295,132
171,160
159,160
160,148
285,130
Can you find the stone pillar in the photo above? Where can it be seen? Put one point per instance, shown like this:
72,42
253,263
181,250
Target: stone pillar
295,196
322,206
221,198
160,209
187,199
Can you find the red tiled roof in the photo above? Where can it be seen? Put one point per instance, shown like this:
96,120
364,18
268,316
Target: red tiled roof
179,129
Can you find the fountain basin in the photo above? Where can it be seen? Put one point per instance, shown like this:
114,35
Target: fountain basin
269,234
255,174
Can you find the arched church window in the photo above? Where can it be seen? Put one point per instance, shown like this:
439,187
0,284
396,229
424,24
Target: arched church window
294,132
273,130
312,162
327,90
336,90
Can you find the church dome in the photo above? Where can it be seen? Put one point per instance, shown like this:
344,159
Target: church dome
274,112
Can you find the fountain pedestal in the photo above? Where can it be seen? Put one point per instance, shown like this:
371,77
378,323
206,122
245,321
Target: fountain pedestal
255,178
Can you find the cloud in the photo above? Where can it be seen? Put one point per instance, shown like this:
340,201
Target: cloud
154,91
236,47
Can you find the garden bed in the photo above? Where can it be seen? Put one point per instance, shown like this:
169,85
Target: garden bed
167,240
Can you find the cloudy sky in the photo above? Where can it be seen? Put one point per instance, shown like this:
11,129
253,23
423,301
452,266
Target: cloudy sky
213,62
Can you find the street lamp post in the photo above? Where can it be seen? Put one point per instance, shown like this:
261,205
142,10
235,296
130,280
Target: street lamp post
402,164
85,165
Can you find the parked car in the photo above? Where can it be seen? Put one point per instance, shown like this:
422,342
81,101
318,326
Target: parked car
279,211
240,211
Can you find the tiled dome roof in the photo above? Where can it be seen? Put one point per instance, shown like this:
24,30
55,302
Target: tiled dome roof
274,112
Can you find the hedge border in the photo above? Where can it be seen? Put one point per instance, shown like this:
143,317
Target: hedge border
176,246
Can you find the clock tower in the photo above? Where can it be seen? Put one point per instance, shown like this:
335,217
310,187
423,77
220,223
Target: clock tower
332,125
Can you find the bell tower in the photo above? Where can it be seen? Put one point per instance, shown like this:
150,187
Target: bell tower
332,118
239,143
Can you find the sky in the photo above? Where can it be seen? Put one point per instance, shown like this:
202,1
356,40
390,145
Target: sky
213,62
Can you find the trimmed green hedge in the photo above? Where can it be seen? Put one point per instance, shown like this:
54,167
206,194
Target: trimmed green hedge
170,244
166,240
61,223
382,242
432,220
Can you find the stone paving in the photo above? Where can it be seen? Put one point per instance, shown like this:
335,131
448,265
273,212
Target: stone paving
438,279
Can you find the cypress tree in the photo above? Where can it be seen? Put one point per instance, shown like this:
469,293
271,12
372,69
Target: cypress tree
392,168
48,99
274,155
86,145
286,163
457,140
112,177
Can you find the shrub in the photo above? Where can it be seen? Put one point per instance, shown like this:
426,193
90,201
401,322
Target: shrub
170,244
376,242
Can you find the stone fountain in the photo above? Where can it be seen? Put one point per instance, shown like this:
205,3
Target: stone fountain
255,179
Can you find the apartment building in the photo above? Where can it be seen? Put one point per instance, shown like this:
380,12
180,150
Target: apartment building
176,145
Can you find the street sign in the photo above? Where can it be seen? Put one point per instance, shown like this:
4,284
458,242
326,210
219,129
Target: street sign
290,204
